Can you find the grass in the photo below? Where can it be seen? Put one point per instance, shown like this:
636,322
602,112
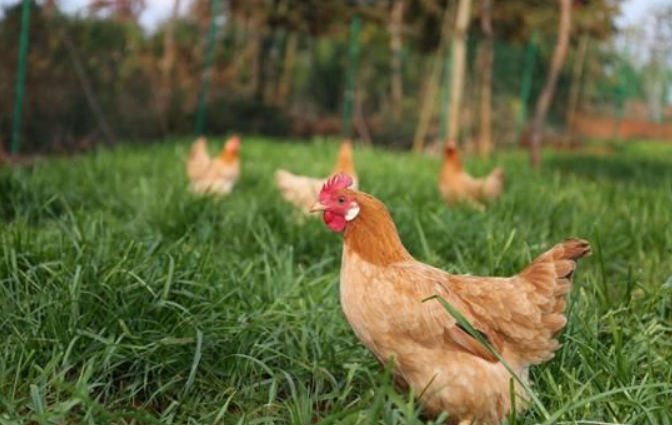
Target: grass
123,298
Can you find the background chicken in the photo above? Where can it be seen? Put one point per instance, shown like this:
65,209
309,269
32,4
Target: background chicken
199,159
214,175
382,291
456,185
301,191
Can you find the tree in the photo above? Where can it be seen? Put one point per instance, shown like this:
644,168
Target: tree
575,87
660,58
284,84
164,97
485,60
395,26
459,51
432,83
121,10
546,96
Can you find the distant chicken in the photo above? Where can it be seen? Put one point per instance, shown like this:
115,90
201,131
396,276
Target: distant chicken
214,175
456,185
301,191
199,159
384,294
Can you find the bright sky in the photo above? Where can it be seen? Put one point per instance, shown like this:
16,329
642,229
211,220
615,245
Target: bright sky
634,11
155,11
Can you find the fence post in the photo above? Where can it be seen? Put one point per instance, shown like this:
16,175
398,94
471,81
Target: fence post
526,85
353,59
445,96
21,75
207,68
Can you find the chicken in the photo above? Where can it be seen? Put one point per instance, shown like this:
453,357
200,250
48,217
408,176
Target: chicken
214,175
199,159
384,294
456,185
301,191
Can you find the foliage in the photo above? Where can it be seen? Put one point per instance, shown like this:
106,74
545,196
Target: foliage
141,97
124,297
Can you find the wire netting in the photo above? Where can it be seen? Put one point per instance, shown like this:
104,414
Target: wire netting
100,79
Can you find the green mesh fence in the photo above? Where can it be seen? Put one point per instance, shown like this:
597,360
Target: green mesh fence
279,81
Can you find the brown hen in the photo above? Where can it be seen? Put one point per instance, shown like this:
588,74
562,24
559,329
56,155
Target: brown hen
213,175
301,191
456,185
384,291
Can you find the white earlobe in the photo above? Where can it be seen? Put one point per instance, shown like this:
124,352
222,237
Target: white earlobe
353,211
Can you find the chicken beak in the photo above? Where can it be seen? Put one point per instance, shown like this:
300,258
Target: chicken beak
317,206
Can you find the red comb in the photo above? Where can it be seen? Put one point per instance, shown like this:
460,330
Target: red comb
233,142
335,182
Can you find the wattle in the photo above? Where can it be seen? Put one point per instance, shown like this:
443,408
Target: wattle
334,221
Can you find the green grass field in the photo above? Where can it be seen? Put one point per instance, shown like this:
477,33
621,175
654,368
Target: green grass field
124,298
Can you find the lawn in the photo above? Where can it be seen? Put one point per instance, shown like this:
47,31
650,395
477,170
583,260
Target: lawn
125,298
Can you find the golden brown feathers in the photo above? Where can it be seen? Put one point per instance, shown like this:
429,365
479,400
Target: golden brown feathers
301,191
383,293
345,162
213,175
456,185
373,236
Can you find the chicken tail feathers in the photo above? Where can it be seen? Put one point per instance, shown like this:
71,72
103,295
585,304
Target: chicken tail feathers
556,266
344,161
550,275
494,184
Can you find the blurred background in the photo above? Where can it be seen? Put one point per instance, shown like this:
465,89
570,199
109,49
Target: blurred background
399,73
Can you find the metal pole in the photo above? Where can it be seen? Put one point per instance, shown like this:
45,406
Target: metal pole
526,86
21,75
445,96
353,59
207,69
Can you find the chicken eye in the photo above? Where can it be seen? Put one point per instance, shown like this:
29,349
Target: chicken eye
341,200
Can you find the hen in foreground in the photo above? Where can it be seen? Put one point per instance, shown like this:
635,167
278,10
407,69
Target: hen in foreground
456,185
213,175
301,191
383,289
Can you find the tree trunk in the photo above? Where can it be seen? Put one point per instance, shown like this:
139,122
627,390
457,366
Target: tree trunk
485,59
431,86
254,47
459,50
262,65
358,118
575,88
164,100
272,69
284,85
395,26
546,96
